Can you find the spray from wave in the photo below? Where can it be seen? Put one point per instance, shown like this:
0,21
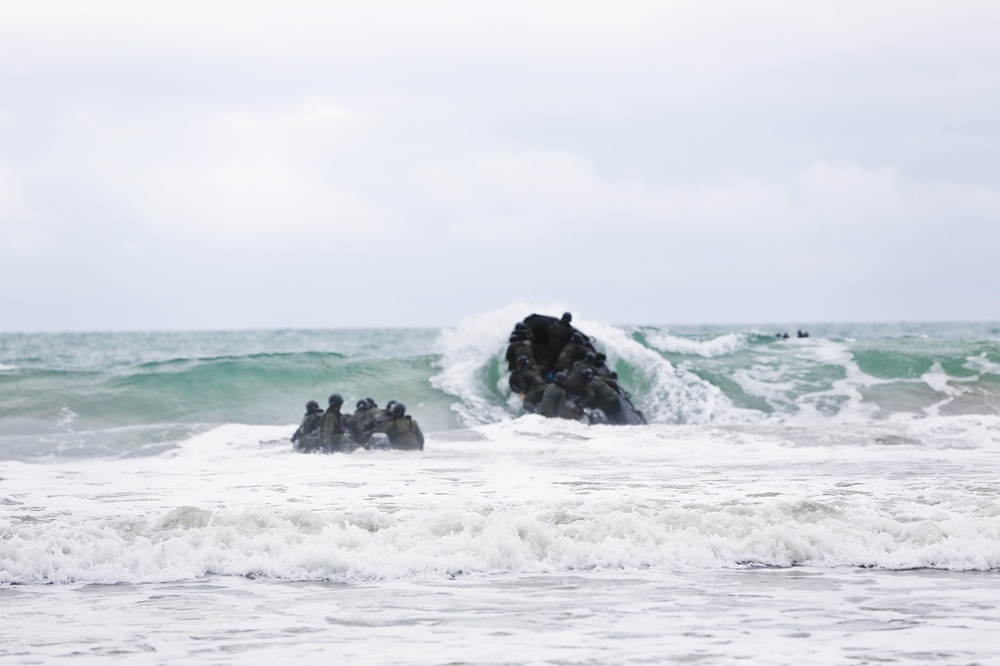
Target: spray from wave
473,370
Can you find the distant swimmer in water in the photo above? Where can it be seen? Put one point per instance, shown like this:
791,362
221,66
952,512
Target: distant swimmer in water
402,430
803,334
306,438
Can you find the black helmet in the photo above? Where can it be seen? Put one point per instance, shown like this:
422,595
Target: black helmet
590,357
579,338
588,373
566,318
523,360
520,327
362,404
336,399
389,405
312,406
398,409
370,402
560,378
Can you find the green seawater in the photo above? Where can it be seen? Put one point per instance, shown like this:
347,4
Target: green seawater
138,393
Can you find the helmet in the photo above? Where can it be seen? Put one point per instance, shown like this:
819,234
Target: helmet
398,409
590,357
336,399
370,402
521,327
312,406
362,404
559,378
389,405
579,338
588,373
567,317
523,360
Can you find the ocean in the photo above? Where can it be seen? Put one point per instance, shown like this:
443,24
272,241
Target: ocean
831,499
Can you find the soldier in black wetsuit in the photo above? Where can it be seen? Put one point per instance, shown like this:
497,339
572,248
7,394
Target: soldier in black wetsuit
575,379
403,431
334,429
526,382
561,332
306,438
520,344
574,350
601,394
555,399
363,420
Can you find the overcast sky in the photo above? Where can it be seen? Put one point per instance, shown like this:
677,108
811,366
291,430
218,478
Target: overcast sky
206,165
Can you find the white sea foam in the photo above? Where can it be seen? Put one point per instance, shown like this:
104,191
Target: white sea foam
786,379
66,418
531,496
953,389
717,346
982,365
467,354
669,394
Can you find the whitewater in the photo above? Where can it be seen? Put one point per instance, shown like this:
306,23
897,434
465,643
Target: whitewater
826,500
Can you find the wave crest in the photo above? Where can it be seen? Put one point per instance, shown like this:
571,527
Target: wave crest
717,346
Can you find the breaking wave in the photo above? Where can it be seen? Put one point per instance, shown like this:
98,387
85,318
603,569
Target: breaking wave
126,394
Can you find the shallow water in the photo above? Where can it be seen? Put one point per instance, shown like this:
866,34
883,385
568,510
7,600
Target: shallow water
761,616
830,500
523,542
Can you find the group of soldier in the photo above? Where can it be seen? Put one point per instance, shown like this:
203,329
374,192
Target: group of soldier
558,372
332,431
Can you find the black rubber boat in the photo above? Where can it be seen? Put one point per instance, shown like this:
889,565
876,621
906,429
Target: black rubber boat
544,350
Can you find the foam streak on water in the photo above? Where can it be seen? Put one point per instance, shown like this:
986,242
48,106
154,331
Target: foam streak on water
586,535
825,500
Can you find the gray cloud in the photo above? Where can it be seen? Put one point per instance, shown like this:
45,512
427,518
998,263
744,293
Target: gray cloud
325,164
